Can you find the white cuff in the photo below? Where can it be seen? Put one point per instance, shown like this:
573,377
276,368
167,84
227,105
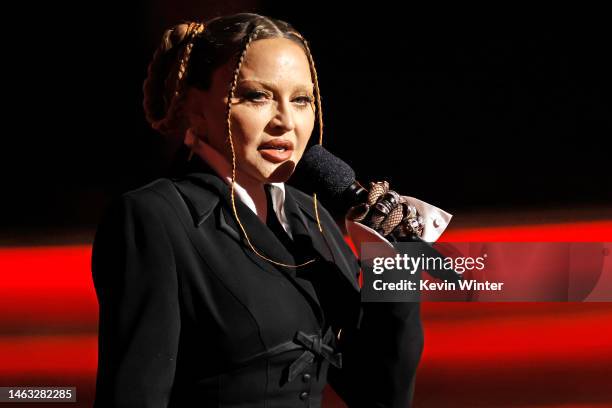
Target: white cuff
435,219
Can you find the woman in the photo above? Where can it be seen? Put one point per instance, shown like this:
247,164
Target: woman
223,286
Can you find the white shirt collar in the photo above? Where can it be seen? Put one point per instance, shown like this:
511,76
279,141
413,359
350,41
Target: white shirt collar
223,168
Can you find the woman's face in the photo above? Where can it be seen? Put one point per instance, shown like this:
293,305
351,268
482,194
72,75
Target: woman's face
272,112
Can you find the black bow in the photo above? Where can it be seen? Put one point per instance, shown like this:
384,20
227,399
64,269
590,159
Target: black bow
315,345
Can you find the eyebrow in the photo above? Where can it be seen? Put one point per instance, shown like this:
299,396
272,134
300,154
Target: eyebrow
271,85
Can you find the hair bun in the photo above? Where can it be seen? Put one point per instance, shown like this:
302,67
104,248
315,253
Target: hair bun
167,71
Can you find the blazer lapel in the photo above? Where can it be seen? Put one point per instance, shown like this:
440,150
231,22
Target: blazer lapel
260,236
304,232
330,249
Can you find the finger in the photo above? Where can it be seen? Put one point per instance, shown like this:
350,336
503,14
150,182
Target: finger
392,220
358,212
375,219
377,190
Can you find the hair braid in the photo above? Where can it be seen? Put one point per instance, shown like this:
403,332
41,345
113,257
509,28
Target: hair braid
193,30
250,38
319,112
162,114
316,85
188,59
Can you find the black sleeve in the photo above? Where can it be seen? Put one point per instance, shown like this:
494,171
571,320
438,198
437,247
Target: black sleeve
380,358
380,350
135,278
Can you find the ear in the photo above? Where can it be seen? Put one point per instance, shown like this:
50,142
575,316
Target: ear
191,139
195,113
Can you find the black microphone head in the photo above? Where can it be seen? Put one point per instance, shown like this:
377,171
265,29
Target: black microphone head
321,172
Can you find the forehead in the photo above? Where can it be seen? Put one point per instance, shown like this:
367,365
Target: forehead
277,61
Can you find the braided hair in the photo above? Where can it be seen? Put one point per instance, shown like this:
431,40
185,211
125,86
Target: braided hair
163,96
189,54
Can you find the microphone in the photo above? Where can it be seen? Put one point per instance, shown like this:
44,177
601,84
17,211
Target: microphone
321,172
331,178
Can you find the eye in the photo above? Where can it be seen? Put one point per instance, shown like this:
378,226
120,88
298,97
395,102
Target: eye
304,101
260,98
255,96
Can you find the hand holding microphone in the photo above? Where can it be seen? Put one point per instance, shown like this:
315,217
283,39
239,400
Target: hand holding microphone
381,209
388,213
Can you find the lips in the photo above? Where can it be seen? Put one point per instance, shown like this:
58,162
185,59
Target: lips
277,144
276,150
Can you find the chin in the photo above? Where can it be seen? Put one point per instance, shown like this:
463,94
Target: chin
280,173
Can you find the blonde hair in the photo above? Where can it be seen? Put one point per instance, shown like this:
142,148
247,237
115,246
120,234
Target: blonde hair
188,55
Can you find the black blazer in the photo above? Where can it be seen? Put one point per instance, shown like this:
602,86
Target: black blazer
191,317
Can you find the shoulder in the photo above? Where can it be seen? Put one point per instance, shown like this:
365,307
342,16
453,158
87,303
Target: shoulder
154,195
147,203
153,192
135,238
134,220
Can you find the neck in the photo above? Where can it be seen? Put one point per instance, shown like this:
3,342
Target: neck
223,167
255,189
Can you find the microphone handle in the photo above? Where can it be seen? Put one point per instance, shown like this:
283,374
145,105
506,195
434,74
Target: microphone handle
355,194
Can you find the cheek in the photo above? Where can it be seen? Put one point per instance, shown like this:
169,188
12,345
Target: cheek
305,127
249,124
216,124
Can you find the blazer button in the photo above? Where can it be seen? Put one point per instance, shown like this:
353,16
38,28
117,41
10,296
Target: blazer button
303,395
306,377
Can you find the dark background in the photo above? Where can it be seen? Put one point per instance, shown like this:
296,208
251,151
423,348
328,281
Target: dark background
482,114
466,116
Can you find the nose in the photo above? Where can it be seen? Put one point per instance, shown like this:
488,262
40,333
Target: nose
283,118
